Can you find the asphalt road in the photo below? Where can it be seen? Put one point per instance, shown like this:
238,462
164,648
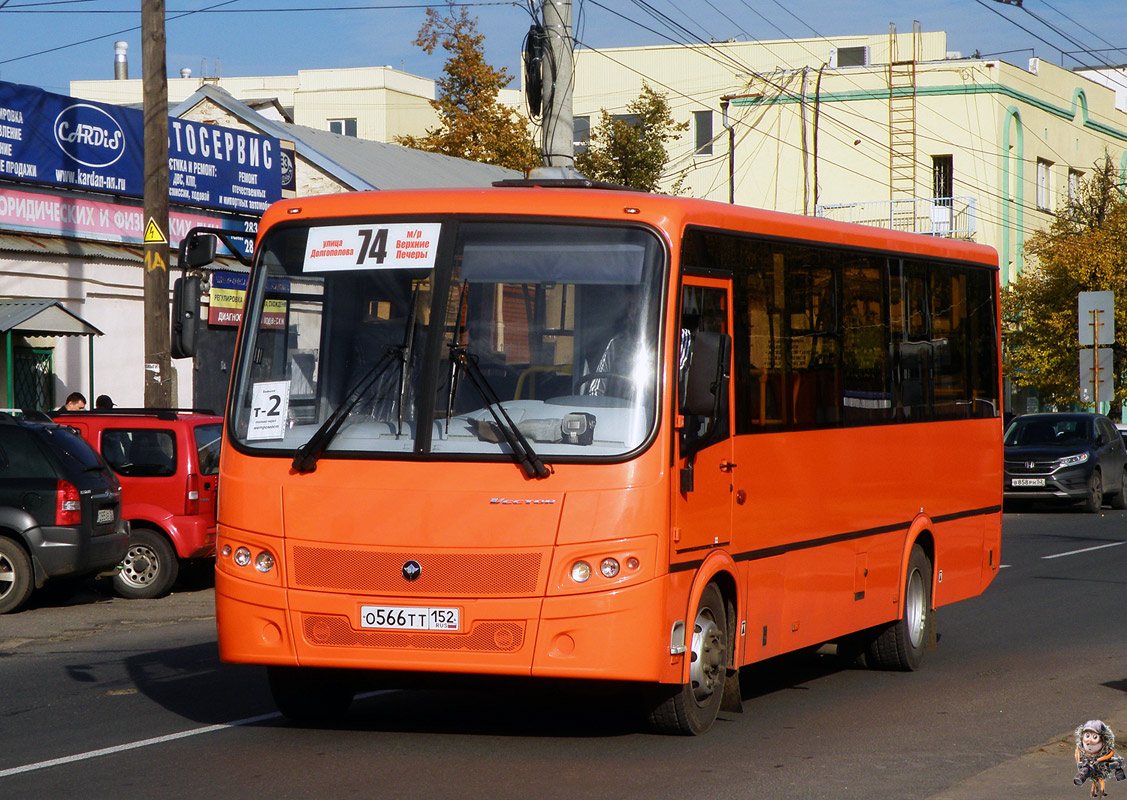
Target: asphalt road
103,697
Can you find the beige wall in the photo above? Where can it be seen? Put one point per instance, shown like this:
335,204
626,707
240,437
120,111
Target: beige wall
384,102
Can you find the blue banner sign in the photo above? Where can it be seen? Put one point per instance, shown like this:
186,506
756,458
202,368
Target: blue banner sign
61,141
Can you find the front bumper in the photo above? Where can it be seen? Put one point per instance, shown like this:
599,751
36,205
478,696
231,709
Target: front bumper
1065,484
612,635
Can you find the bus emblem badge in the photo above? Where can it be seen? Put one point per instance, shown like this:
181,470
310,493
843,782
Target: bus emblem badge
412,571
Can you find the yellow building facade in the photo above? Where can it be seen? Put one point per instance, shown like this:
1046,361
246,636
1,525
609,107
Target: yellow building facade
888,130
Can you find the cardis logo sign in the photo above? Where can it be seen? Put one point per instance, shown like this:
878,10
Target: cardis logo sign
89,135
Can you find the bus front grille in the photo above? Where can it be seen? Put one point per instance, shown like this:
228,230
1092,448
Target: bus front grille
440,574
492,636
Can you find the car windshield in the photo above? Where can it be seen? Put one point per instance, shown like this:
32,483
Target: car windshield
1044,431
403,341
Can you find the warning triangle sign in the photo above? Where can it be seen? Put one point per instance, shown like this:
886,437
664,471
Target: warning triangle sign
153,233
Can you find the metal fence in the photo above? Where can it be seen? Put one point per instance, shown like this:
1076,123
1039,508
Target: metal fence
953,217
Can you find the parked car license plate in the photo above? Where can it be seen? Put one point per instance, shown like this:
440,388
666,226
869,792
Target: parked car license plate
410,618
1027,481
105,515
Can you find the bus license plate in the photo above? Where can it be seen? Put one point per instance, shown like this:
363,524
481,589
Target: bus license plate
1027,482
410,619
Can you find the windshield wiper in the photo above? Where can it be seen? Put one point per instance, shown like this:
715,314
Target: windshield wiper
305,459
523,453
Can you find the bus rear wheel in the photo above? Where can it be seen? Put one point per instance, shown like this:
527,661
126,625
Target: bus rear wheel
311,695
901,645
692,708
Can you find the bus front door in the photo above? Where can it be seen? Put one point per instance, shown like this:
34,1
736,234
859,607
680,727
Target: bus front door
702,513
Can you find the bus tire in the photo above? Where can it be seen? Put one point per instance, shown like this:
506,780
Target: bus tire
149,568
15,575
690,709
901,645
310,695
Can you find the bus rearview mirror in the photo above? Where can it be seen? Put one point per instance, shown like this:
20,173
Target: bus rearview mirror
185,316
199,250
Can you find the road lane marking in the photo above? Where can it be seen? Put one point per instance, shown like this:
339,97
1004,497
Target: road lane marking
121,748
170,737
1084,550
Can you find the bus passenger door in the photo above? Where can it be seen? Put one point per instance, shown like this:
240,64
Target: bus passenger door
702,513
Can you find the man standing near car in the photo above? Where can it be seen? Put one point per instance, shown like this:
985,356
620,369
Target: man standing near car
76,401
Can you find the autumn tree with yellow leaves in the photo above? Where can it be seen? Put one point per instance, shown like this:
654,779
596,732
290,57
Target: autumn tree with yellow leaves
1085,249
472,123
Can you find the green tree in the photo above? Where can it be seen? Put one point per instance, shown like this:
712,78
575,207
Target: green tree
1083,250
632,150
472,123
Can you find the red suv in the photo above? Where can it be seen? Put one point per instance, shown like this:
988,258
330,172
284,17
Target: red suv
168,464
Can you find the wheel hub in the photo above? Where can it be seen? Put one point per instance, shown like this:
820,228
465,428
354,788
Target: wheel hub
139,566
915,612
707,669
7,577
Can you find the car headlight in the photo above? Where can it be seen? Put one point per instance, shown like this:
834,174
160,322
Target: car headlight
1069,461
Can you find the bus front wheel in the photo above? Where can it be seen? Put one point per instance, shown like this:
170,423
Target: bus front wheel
691,708
309,695
901,645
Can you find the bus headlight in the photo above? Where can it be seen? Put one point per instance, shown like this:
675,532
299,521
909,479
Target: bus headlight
609,567
580,571
265,561
242,557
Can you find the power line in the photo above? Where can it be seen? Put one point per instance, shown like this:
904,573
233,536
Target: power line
983,213
27,9
180,15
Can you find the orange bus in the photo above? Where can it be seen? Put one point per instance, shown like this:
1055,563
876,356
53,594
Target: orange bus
546,431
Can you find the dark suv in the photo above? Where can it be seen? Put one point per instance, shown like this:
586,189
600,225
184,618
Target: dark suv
1065,456
167,461
60,509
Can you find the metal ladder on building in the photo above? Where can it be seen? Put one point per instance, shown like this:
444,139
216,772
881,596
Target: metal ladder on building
902,130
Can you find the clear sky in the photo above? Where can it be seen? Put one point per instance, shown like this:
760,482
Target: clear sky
48,43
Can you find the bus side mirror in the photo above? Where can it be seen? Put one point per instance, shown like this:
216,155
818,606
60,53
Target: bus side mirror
707,382
185,315
198,251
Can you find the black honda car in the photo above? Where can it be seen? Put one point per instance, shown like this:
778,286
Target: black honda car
1067,457
60,509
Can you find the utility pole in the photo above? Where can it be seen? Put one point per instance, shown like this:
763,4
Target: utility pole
158,360
559,126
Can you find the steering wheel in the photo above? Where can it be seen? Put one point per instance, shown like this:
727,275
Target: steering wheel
607,376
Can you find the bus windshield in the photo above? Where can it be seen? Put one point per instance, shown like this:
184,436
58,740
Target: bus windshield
407,337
